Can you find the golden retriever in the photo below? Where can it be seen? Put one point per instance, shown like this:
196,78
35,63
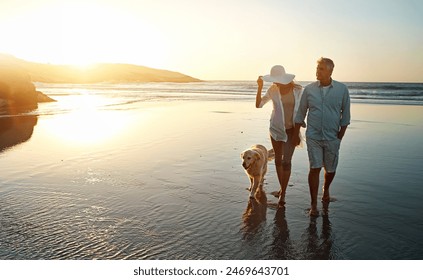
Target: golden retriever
254,161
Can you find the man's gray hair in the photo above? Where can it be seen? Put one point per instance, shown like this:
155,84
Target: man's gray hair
329,62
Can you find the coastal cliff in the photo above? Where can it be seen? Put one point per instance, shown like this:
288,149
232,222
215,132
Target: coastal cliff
17,77
97,73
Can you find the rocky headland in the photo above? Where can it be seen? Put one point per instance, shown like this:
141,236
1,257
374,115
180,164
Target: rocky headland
17,78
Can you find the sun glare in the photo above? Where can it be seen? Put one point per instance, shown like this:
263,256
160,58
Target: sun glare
92,33
83,33
86,127
88,122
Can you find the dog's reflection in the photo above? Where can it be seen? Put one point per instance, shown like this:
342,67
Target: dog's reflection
255,213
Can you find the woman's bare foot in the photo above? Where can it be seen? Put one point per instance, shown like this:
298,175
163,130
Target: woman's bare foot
281,202
275,193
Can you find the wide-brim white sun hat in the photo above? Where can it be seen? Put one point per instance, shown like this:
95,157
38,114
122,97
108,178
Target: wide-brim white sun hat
278,75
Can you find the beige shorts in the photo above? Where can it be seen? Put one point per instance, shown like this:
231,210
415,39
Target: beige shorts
323,153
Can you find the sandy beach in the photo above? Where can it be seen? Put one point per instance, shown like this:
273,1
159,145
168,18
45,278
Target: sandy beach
163,180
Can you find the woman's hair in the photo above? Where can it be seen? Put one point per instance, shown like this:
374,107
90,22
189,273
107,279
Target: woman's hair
327,61
296,85
293,84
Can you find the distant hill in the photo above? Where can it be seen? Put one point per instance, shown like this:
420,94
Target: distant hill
104,72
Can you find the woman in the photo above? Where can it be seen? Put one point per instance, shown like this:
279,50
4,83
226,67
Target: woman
285,95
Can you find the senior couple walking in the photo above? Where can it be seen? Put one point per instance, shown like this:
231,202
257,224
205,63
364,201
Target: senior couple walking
326,103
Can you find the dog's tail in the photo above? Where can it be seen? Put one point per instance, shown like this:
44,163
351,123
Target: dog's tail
270,155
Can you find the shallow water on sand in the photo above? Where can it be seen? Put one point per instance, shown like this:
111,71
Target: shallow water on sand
164,181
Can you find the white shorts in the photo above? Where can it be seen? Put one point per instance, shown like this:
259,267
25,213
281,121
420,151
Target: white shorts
323,153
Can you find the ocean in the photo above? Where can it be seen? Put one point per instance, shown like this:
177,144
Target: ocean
374,93
153,171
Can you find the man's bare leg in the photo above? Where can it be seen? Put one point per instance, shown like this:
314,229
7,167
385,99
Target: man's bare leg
328,180
313,183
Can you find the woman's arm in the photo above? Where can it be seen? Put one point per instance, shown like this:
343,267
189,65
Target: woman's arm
259,89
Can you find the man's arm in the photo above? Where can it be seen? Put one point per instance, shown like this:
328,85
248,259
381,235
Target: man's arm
345,115
341,132
346,109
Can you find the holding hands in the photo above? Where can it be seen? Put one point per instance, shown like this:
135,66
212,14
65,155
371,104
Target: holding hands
296,140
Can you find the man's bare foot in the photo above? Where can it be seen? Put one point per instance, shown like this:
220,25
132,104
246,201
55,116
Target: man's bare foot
313,212
326,198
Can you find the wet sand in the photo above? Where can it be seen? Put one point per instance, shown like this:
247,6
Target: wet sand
164,180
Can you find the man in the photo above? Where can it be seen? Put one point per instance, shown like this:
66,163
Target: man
328,105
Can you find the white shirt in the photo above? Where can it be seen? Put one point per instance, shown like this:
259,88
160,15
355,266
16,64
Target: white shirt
325,90
277,119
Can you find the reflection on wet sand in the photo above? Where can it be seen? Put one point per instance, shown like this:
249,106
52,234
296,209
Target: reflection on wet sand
15,129
282,247
311,246
255,213
319,247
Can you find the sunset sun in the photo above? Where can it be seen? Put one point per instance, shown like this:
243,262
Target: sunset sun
82,34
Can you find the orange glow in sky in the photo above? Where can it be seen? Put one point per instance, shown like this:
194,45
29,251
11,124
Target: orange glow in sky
223,39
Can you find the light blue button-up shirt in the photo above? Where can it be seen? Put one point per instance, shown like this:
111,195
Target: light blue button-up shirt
326,112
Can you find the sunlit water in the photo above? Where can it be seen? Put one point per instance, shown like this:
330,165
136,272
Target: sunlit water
153,172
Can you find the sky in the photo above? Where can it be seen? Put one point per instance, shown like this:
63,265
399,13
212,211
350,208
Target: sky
369,40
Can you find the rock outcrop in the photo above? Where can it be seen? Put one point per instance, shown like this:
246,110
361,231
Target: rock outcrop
16,88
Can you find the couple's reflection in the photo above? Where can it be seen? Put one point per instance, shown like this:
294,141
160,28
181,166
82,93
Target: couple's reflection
312,244
282,246
15,129
320,247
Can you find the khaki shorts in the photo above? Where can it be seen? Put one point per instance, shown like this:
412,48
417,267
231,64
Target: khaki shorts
323,153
